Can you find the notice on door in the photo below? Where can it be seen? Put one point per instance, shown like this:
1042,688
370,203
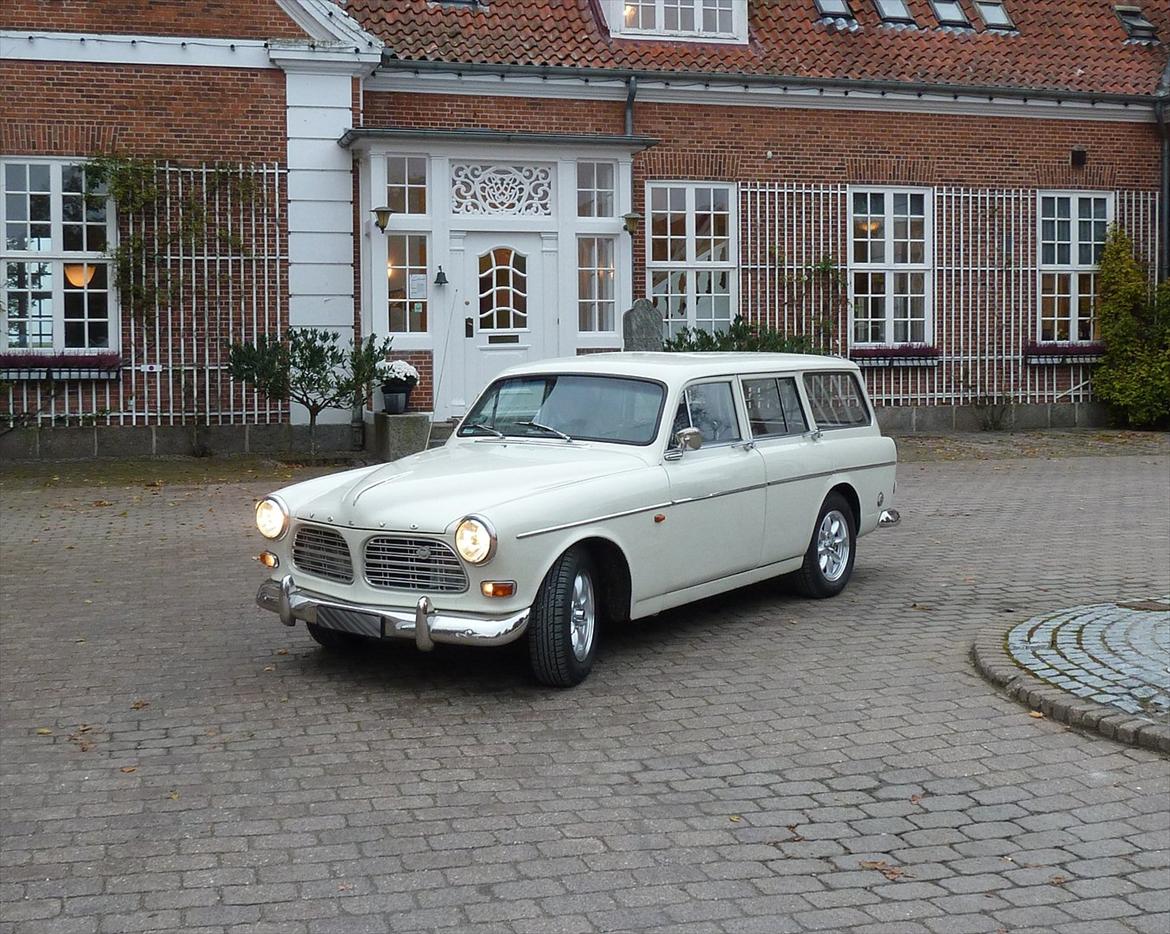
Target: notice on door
416,286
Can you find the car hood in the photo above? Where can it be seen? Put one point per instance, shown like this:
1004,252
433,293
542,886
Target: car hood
432,490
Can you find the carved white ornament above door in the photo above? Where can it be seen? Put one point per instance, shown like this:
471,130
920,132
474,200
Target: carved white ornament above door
499,189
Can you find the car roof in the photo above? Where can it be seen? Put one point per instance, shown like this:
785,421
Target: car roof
679,367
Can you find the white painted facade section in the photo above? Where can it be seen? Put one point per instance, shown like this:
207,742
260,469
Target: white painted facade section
190,51
462,364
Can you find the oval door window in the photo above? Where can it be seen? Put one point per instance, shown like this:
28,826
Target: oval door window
503,290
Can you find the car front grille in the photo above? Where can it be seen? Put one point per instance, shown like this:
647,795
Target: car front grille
322,552
421,564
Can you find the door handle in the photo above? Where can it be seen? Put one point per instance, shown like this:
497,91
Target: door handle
468,327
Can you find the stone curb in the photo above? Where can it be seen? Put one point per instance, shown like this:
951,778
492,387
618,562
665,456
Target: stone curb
992,660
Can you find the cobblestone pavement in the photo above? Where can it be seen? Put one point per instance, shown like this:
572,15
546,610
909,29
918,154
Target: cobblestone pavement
173,759
1113,654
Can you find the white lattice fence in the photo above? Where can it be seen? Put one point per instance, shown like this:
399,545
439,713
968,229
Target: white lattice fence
218,274
985,286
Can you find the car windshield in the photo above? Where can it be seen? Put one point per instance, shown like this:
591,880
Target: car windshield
585,408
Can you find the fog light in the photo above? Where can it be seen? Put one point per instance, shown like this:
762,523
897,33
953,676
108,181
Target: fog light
497,588
268,559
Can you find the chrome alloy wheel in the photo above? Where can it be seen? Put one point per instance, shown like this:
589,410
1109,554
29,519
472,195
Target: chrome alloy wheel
584,616
833,545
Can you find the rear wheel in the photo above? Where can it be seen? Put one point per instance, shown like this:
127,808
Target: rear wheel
562,629
332,639
828,563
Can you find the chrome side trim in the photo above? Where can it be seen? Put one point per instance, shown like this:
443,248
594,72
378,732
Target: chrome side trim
573,525
291,603
693,499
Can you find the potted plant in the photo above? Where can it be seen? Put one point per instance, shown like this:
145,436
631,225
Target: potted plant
398,379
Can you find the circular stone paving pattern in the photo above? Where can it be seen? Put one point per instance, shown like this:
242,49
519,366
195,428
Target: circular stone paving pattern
1112,653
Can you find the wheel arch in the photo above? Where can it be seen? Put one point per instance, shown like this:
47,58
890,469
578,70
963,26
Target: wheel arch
614,569
849,494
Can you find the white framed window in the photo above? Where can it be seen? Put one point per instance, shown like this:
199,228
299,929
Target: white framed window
407,283
994,14
595,189
700,20
894,11
1073,226
406,184
596,275
56,283
890,266
691,254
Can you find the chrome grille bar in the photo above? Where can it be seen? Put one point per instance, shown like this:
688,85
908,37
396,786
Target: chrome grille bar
413,564
322,552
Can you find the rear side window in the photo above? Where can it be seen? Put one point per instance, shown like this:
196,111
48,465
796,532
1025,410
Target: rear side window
773,407
836,400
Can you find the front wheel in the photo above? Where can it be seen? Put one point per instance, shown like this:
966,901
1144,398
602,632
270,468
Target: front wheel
828,563
562,629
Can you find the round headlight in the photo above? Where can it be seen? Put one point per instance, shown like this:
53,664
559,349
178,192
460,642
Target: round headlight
474,540
271,517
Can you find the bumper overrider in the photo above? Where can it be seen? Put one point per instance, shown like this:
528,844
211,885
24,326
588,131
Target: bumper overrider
422,623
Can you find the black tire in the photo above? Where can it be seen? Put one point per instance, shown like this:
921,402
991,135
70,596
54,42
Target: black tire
332,639
551,652
811,580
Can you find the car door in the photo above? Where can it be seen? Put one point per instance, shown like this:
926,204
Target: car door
716,517
793,462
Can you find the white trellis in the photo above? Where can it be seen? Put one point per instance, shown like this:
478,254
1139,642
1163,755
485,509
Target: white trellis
984,285
225,280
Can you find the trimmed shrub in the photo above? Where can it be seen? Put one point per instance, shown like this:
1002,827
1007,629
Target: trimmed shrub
740,336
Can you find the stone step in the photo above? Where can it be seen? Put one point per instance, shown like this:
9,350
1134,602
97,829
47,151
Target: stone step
440,432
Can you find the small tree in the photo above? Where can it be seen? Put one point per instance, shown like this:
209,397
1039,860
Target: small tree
1134,375
308,367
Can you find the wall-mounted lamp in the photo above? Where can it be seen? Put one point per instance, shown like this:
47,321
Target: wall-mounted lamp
1079,157
441,278
631,222
381,217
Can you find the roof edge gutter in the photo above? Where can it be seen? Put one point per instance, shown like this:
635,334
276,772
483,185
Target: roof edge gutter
723,79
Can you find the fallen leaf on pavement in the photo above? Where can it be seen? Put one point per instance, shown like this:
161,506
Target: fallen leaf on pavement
914,799
270,668
282,651
174,796
893,873
1058,880
735,818
127,769
44,731
140,704
1035,715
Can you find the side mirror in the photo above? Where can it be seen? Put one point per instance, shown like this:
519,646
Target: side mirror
689,439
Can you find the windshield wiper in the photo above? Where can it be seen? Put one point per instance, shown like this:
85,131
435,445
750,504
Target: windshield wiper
552,431
482,427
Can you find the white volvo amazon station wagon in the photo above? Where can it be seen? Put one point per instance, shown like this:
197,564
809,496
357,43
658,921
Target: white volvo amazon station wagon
608,486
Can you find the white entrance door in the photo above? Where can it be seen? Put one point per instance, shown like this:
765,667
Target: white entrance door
510,313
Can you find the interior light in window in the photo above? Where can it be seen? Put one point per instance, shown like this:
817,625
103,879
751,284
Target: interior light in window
894,11
1136,24
950,13
994,15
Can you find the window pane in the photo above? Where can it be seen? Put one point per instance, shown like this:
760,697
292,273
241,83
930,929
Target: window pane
595,277
836,400
765,411
30,305
406,184
711,408
407,283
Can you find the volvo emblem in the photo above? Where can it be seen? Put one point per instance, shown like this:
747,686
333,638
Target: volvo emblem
422,553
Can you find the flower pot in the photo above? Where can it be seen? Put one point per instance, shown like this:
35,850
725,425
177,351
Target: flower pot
396,396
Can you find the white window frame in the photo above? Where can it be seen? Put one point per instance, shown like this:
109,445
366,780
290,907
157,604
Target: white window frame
406,186
691,264
593,303
892,268
426,271
615,17
58,257
1074,268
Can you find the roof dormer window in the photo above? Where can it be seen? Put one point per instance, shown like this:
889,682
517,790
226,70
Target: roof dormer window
894,12
687,20
1135,23
835,9
950,13
994,15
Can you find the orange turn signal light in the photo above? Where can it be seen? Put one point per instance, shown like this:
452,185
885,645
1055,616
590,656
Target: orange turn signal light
497,588
268,559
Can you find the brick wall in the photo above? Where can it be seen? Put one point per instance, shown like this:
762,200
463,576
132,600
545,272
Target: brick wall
56,108
255,19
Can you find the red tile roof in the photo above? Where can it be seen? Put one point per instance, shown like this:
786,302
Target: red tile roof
1061,45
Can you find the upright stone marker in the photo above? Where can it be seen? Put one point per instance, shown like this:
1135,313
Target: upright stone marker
642,327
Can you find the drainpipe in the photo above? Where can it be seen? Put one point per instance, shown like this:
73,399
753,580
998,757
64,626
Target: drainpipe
632,92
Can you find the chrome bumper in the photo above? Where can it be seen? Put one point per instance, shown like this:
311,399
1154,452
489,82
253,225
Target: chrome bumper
889,518
423,623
